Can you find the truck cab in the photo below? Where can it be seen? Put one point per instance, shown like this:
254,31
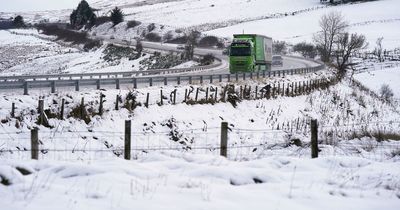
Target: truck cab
250,52
241,55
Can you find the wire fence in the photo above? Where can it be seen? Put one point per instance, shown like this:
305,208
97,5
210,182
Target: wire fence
243,144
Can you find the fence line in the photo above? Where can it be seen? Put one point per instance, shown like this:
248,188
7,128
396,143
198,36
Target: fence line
239,145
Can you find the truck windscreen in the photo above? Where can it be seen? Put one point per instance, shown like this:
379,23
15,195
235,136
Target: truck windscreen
240,51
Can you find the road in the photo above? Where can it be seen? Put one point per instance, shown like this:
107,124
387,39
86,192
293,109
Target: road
288,62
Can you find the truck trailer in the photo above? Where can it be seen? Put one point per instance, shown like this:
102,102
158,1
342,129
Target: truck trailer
249,53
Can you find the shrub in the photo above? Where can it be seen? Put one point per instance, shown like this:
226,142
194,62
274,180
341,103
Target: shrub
168,36
207,59
116,16
151,27
386,92
279,47
153,37
92,44
82,15
178,40
209,41
18,21
132,24
305,49
101,20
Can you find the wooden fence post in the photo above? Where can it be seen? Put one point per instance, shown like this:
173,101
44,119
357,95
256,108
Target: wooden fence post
147,100
34,144
216,93
127,148
314,139
207,94
41,111
82,108
175,96
62,109
224,139
161,98
184,100
117,102
13,110
197,94
101,104
165,81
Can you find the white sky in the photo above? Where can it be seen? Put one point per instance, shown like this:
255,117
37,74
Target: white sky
36,5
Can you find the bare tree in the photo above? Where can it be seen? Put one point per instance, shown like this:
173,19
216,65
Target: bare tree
139,47
378,49
190,44
332,25
345,46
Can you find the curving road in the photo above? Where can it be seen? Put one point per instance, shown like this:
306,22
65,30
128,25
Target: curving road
288,62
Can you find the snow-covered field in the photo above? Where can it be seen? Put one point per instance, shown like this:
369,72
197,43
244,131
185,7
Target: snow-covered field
349,174
202,182
377,19
175,148
375,79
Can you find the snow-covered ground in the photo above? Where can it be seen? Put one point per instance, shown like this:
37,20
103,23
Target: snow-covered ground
178,181
375,79
374,19
29,52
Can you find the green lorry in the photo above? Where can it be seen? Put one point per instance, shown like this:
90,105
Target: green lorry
249,53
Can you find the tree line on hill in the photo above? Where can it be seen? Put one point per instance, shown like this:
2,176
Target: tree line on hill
84,16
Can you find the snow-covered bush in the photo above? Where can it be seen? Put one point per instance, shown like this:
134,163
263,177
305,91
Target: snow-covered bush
386,92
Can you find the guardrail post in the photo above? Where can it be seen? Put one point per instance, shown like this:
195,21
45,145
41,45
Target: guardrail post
134,83
224,139
77,85
251,75
220,78
165,81
53,86
179,80
201,79
211,78
314,139
34,144
229,77
117,84
244,76
151,81
263,74
25,88
279,73
269,73
258,74
237,76
127,146
98,84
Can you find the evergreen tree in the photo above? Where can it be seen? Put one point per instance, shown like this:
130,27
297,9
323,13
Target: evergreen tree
116,16
83,15
18,22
